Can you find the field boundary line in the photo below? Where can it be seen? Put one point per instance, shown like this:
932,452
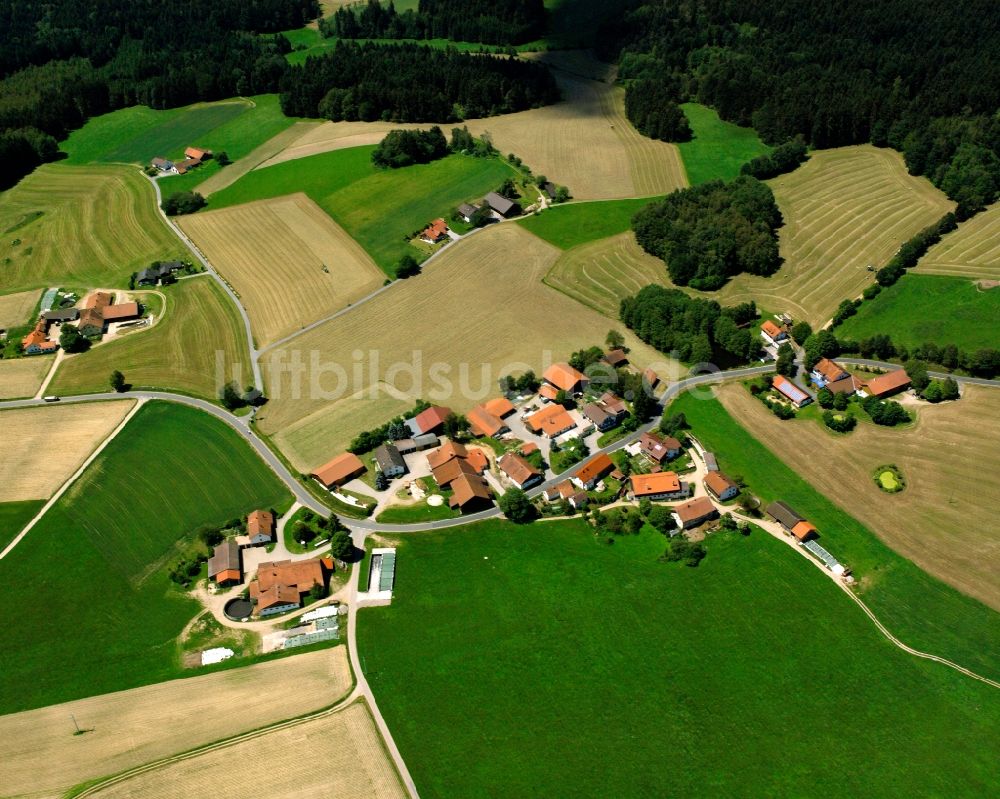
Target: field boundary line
73,477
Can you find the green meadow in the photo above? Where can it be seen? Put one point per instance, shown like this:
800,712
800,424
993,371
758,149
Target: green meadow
919,609
379,208
930,308
718,148
102,615
13,517
540,661
571,224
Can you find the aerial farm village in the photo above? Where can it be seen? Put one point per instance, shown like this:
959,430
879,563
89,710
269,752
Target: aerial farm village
538,398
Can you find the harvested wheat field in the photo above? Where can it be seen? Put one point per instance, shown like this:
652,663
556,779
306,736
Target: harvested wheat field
584,142
80,226
131,728
253,159
15,309
21,377
602,273
950,460
41,447
479,311
288,260
972,251
337,755
196,346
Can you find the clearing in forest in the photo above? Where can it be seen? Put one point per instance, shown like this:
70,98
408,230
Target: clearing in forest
130,728
290,263
478,312
718,148
15,309
42,447
21,377
950,459
80,226
339,754
973,250
199,331
739,636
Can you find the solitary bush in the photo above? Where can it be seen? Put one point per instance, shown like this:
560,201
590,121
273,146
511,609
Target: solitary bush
183,202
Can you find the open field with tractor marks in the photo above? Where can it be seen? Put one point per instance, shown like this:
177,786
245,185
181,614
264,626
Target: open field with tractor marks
42,447
922,308
972,251
21,377
289,261
16,309
340,754
920,609
130,728
80,226
603,273
102,552
950,458
200,328
451,670
481,310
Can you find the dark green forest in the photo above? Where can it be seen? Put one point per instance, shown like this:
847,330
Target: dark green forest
408,82
504,22
651,105
693,329
708,233
914,75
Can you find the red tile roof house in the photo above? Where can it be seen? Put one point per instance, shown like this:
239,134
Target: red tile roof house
279,585
435,231
484,423
555,493
518,470
772,334
659,448
661,485
588,475
197,153
564,377
260,527
790,391
886,385
340,470
37,341
121,312
225,566
720,486
428,421
470,494
616,358
694,512
552,421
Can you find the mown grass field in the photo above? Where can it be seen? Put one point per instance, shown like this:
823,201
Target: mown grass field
199,329
972,251
345,750
42,447
479,311
718,148
380,209
573,224
21,377
558,646
930,308
918,608
843,209
290,263
13,517
110,618
129,728
950,460
16,309
97,225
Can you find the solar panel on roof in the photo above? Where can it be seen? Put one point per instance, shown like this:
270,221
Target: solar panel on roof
829,560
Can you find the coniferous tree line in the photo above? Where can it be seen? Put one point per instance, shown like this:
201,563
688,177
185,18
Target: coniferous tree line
708,233
783,158
694,329
408,82
899,73
64,61
651,105
406,147
501,22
